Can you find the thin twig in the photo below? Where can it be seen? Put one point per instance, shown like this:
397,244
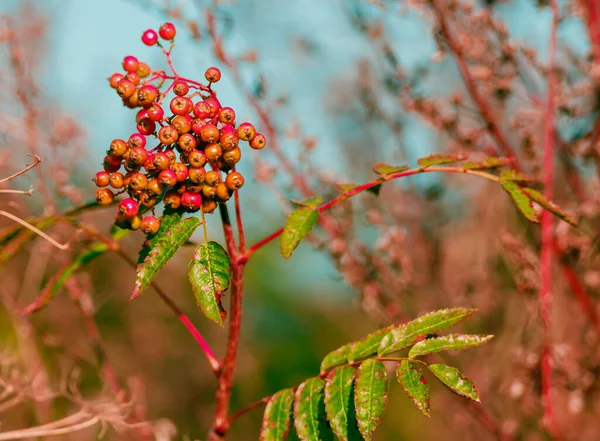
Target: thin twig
36,161
40,233
23,192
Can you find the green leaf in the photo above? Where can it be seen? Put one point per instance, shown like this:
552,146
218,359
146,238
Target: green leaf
375,189
521,200
548,205
487,163
515,176
162,248
455,380
313,202
338,393
276,420
447,342
298,225
309,411
410,376
209,274
440,158
404,335
370,396
368,345
167,220
346,187
383,168
335,358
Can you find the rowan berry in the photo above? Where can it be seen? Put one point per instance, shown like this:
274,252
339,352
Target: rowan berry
172,199
180,170
125,88
212,177
130,63
214,106
148,199
181,187
101,179
196,158
150,37
181,105
212,74
155,186
138,155
197,125
201,110
161,161
168,135
131,166
155,112
138,182
128,207
246,131
116,180
229,140
234,181
135,222
171,155
187,142
209,205
132,102
143,113
133,77
143,70
150,225
136,140
213,152
232,157
196,174
180,88
228,128
118,147
146,126
167,31
258,142
182,123
114,79
209,133
147,95
222,165
226,115
121,221
104,196
168,178
149,164
223,192
111,163
191,201
209,191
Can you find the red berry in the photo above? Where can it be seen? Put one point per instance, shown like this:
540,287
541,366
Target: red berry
181,105
212,178
138,181
191,201
141,115
201,110
101,179
258,141
234,181
150,225
209,205
147,94
104,196
118,147
182,123
172,199
187,142
146,126
168,135
232,157
111,163
213,152
128,208
209,133
125,88
137,140
130,63
155,187
212,74
133,77
246,131
180,88
114,79
161,161
155,112
214,106
135,222
168,178
150,37
138,155
117,180
196,158
180,170
227,115
197,175
143,70
229,140
167,31
228,128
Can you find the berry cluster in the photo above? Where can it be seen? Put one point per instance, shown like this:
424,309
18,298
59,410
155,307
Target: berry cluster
193,133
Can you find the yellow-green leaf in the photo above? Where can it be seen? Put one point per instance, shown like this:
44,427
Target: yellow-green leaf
383,168
298,225
440,158
548,205
338,396
313,202
309,411
455,381
368,345
410,376
370,396
521,200
276,419
447,342
335,358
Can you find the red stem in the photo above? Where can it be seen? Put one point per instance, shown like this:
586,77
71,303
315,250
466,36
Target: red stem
547,222
238,219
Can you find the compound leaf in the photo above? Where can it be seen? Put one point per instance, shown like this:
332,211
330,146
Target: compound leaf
370,396
455,381
309,411
276,419
447,342
338,393
410,376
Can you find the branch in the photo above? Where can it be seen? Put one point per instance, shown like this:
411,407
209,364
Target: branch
36,161
40,233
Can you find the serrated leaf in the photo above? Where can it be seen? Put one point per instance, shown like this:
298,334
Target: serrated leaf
521,200
486,163
404,335
335,358
346,187
383,168
163,247
167,220
309,411
209,274
548,205
313,202
455,381
368,345
410,376
338,393
370,396
515,176
276,419
440,158
298,225
447,342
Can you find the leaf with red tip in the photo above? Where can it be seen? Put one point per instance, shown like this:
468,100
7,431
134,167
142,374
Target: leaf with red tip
521,200
370,396
163,246
447,343
440,158
209,274
276,419
410,376
309,411
455,381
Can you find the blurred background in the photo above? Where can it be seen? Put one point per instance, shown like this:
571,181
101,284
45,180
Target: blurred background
345,84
